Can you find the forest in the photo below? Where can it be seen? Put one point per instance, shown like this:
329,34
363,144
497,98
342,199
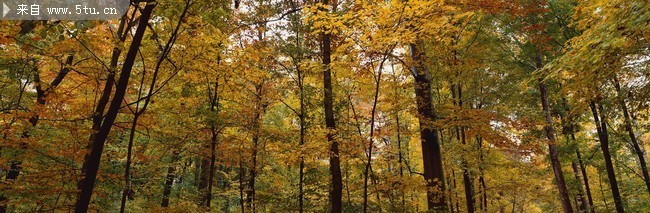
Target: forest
329,106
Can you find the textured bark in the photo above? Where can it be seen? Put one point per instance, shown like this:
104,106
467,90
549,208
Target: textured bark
601,128
92,162
431,153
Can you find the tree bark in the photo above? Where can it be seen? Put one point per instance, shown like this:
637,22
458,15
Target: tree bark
601,128
336,192
91,163
552,142
553,152
460,136
303,123
431,153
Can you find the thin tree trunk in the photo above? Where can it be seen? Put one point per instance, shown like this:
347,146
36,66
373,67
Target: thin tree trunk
301,181
481,178
208,163
568,132
399,150
583,206
585,178
89,172
601,128
431,153
552,143
602,192
138,112
371,141
250,195
127,171
628,127
214,107
460,136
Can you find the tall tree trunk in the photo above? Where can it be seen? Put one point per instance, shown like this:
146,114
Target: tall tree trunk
261,107
628,127
553,152
552,143
601,128
431,153
301,181
214,107
371,140
147,99
91,163
335,161
400,156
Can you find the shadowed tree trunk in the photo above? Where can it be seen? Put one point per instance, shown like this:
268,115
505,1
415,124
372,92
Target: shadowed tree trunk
431,153
601,128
